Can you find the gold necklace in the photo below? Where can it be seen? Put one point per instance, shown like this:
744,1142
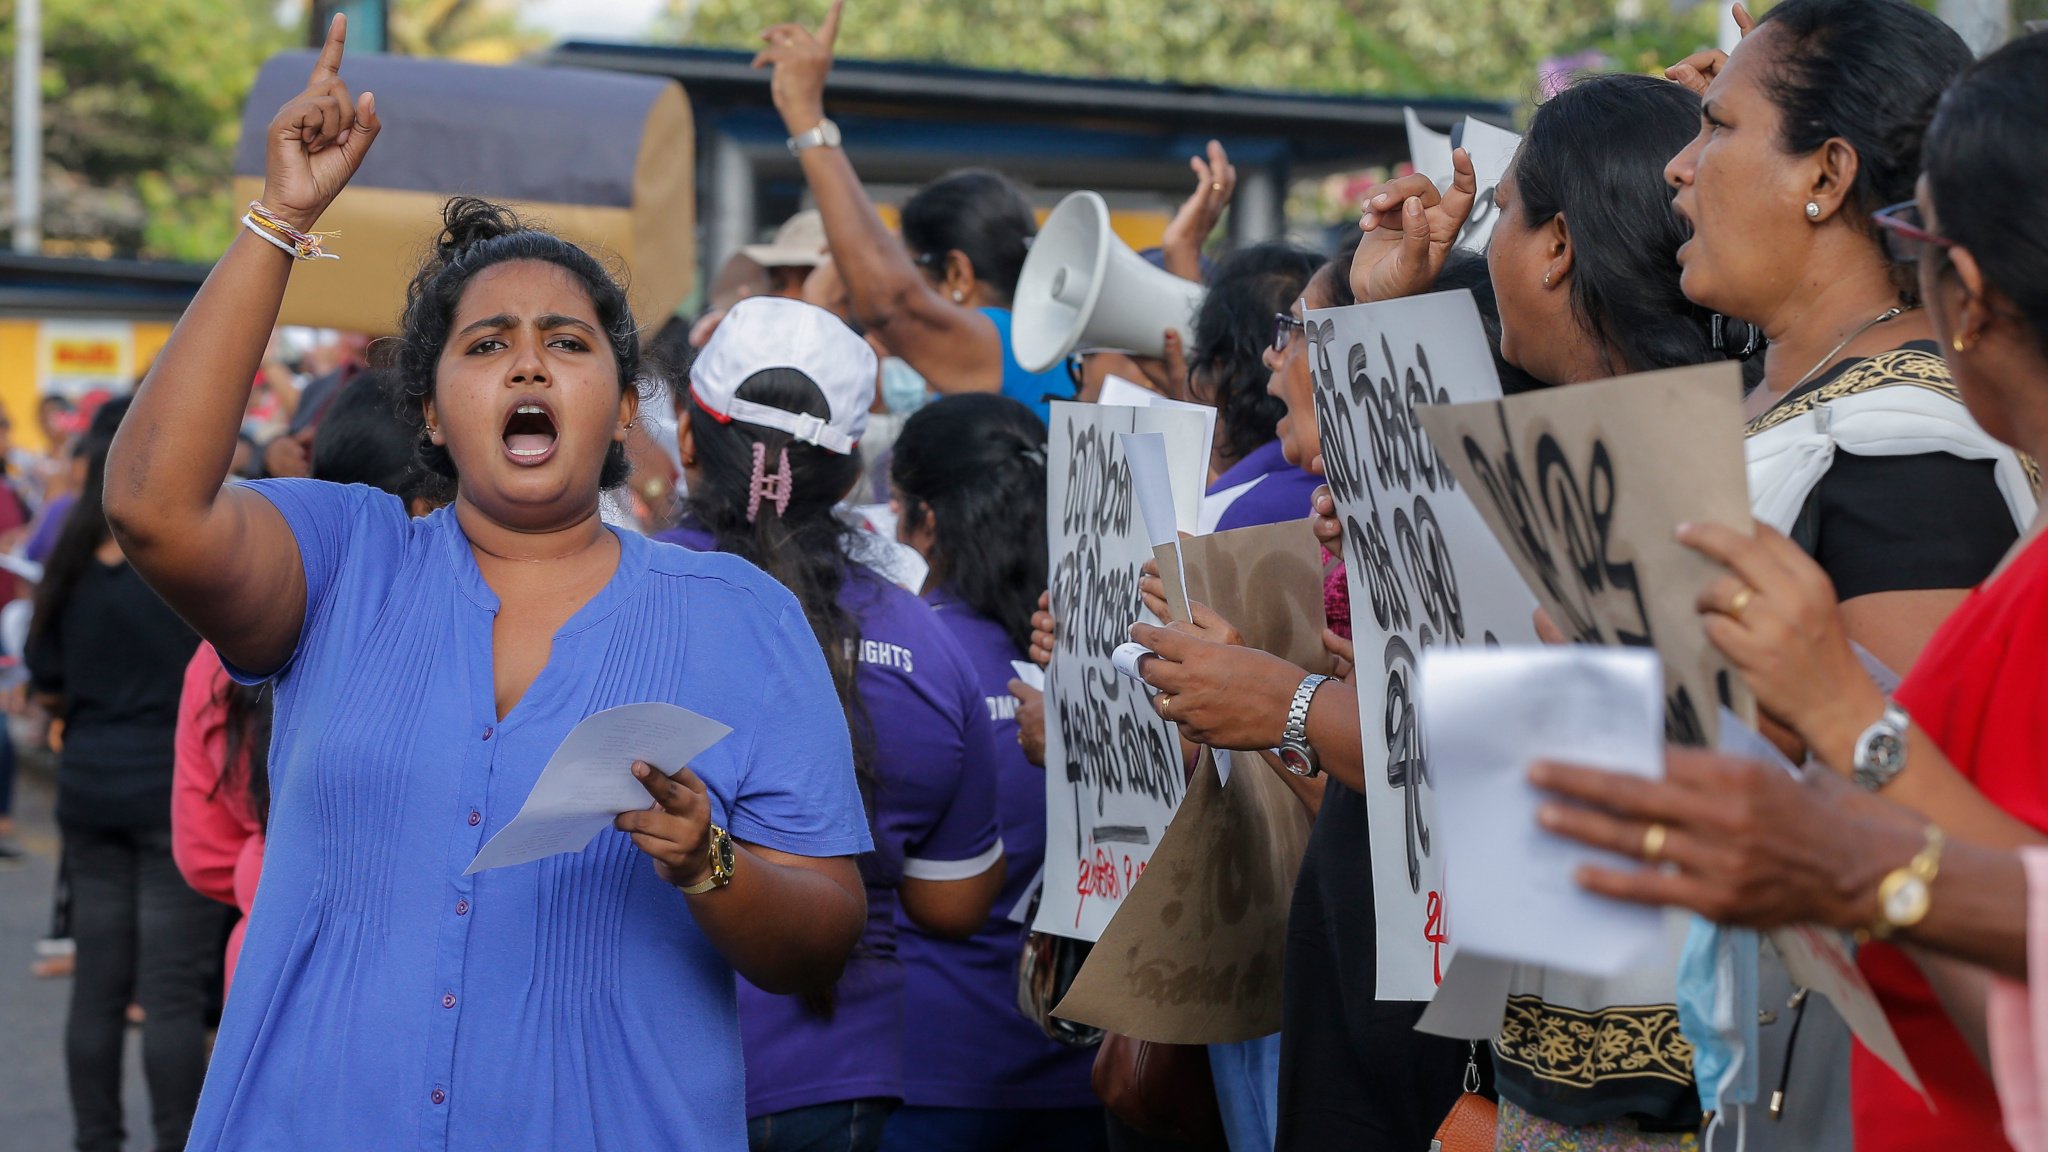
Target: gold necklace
1892,313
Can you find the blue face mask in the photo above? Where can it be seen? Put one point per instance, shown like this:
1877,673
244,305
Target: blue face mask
1717,1010
903,390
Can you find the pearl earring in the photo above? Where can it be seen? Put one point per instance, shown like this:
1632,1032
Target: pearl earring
1956,342
1546,279
959,297
1812,210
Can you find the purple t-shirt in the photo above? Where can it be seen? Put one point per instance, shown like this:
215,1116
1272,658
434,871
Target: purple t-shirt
1278,491
44,538
934,796
972,1047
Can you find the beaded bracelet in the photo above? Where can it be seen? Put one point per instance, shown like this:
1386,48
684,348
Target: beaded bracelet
299,245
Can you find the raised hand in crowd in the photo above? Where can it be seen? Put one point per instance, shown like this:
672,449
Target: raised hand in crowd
1410,229
1698,70
1215,183
800,61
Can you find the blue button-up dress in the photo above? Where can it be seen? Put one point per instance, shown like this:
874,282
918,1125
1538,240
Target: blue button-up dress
386,1001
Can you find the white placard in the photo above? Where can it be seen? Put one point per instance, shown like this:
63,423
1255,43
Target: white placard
1117,390
1423,570
1113,767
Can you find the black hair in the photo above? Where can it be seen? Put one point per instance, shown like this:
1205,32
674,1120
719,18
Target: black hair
475,235
1595,154
978,212
1233,329
975,462
1986,170
807,546
1467,269
1868,71
1337,273
85,525
363,441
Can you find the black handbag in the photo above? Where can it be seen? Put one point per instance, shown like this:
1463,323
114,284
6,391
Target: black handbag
1046,967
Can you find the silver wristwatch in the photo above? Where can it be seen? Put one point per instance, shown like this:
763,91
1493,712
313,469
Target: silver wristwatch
1881,750
825,135
1294,750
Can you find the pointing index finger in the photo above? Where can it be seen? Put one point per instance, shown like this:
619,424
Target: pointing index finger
828,32
328,66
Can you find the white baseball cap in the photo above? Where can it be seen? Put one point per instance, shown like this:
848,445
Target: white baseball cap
763,332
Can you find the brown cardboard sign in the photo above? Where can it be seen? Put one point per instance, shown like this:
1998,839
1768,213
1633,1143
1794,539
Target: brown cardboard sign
1585,486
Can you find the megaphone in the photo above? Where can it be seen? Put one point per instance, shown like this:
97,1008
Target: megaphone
1082,287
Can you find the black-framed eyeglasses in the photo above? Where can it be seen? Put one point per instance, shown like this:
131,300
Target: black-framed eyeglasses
1285,325
1905,232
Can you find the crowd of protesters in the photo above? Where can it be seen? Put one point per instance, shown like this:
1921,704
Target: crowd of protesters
304,623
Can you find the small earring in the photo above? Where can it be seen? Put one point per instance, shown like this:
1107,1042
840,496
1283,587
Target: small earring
1546,279
959,297
1956,342
1812,210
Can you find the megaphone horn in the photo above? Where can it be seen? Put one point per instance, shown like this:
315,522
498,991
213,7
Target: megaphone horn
1082,287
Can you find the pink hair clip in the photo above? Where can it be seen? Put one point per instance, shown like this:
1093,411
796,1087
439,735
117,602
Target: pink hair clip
775,488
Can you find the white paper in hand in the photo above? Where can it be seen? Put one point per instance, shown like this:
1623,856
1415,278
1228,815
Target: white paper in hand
1487,714
589,780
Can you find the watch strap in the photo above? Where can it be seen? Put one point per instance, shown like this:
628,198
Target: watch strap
825,134
1297,711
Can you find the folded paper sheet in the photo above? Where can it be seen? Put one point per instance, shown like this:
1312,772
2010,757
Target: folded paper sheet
1488,715
589,780
1585,486
1194,956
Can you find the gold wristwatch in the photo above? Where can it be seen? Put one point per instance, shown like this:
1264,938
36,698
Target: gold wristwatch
1905,894
721,864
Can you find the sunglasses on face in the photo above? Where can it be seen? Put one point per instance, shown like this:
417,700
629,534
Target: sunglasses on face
1906,236
1285,326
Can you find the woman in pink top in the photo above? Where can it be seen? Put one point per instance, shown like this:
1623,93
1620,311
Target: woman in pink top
220,792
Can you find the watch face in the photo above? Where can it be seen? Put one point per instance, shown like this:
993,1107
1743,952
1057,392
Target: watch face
1906,901
1886,750
1297,761
722,856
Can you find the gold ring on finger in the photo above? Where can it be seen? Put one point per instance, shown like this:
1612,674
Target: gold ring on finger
1215,187
1653,842
1165,698
1740,601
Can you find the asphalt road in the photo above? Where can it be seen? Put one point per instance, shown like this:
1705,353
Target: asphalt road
35,1113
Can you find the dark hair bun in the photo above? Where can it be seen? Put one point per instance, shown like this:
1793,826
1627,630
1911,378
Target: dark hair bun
467,221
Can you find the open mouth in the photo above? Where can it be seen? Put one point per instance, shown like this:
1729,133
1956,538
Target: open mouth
530,433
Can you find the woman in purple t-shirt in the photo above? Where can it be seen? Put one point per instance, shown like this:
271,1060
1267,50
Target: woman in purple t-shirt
768,430
968,483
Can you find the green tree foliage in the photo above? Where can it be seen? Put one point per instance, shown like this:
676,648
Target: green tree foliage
1418,47
139,110
142,102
